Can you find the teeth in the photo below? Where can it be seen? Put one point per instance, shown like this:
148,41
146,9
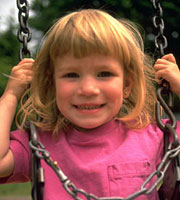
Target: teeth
88,107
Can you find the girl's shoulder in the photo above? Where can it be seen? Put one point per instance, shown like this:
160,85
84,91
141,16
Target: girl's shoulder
24,136
154,129
151,131
21,135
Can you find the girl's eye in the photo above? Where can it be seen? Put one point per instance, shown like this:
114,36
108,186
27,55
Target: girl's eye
71,75
105,74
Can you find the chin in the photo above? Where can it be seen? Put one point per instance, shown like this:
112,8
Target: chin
89,126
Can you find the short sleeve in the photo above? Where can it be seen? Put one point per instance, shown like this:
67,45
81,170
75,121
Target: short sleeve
19,145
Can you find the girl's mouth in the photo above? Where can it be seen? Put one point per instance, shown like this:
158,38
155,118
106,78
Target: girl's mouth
89,107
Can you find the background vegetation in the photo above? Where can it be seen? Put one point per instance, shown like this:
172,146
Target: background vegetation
46,12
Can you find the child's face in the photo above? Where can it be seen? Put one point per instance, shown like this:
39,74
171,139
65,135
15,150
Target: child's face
89,91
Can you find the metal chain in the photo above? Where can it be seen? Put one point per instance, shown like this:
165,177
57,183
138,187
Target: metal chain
77,193
161,43
24,34
38,178
169,127
160,40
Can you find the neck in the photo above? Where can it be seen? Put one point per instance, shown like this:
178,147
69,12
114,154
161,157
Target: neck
81,129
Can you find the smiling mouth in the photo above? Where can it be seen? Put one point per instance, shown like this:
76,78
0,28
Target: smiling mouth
86,107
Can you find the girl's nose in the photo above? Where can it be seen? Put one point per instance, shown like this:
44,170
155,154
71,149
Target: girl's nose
88,87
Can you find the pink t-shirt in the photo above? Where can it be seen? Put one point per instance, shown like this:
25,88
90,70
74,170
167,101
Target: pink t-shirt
109,161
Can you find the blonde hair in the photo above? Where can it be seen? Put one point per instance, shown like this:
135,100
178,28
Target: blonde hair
83,33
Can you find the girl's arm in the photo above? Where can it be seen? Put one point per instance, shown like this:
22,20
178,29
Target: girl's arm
166,68
20,77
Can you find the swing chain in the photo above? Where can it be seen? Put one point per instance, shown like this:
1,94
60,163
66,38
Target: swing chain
164,91
161,44
77,193
169,127
160,39
24,34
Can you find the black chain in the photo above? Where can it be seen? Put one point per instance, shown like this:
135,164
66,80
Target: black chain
160,40
164,91
77,193
38,179
24,34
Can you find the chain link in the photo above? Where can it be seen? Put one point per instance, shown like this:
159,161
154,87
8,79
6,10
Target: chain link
24,34
169,127
79,194
160,40
38,153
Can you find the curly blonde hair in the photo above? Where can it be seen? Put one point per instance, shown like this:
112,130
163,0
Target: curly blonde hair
83,33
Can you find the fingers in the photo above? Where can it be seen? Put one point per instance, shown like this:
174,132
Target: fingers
169,57
26,63
20,77
160,75
26,60
166,68
161,67
23,71
25,68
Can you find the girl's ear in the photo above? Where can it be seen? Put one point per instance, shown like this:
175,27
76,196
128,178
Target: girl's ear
127,87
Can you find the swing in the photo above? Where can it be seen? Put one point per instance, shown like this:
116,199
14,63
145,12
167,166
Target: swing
171,150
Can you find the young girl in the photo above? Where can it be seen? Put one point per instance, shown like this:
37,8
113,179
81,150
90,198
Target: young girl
92,93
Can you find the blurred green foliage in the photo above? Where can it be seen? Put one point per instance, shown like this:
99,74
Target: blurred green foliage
9,47
141,12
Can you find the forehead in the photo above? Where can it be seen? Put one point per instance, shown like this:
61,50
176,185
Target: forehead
92,61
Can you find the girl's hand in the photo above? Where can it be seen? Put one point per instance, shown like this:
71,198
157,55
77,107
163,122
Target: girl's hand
20,78
166,68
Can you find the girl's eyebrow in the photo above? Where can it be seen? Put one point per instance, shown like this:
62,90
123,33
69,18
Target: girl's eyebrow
66,68
105,66
77,66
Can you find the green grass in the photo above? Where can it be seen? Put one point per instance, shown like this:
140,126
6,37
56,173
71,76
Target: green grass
18,189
